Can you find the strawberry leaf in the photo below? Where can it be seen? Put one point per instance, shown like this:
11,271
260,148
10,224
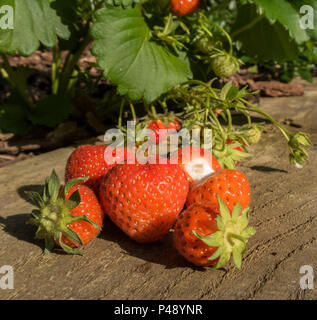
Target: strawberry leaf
124,3
138,66
298,4
35,22
283,12
264,41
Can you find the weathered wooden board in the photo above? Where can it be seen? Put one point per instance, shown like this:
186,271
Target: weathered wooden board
284,211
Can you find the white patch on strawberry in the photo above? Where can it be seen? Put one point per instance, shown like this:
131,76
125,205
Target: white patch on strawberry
198,168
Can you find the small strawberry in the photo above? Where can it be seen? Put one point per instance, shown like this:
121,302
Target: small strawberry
184,7
160,125
93,162
196,162
205,45
251,133
175,124
144,200
224,65
159,131
208,234
69,216
231,185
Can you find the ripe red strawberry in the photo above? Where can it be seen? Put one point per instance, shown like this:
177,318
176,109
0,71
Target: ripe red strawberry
183,7
208,234
175,124
196,162
93,162
158,127
144,200
231,185
69,216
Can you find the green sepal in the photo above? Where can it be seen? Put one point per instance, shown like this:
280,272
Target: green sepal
236,211
53,186
66,248
228,156
71,183
84,218
72,235
35,198
231,237
73,201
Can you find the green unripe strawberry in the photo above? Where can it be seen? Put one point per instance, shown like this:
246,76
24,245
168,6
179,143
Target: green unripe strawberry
205,45
252,134
224,65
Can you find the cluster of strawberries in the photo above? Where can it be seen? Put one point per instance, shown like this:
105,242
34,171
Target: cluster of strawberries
207,206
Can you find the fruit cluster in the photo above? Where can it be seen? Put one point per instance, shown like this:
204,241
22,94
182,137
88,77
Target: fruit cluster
206,206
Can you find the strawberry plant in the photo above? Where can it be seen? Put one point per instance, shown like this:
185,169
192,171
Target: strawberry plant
159,55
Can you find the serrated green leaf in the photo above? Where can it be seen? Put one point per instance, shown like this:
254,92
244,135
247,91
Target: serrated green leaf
124,3
283,12
35,22
264,41
298,4
51,111
138,66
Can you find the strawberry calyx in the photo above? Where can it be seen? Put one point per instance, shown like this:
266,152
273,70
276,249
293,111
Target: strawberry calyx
232,237
53,215
230,154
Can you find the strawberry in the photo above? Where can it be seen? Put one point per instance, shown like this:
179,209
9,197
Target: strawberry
69,215
231,185
93,162
184,7
158,127
196,162
224,65
144,200
251,133
175,124
208,234
205,45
